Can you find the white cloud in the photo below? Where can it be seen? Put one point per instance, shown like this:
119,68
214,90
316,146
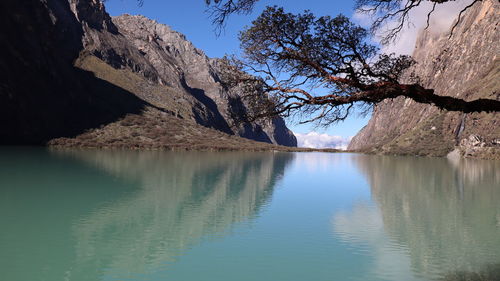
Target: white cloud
440,21
316,140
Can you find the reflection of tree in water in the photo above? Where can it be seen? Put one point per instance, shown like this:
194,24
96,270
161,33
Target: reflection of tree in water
176,199
446,214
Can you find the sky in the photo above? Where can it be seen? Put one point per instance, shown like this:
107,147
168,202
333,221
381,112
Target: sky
190,18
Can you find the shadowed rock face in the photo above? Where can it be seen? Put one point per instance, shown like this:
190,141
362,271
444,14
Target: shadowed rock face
466,66
41,94
53,83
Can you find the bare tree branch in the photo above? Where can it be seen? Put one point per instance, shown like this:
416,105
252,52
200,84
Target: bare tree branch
460,16
220,10
398,11
429,15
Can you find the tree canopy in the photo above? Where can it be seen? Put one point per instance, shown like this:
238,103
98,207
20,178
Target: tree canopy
324,66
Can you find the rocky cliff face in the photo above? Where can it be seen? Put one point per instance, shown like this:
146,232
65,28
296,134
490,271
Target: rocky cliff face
68,68
466,66
184,67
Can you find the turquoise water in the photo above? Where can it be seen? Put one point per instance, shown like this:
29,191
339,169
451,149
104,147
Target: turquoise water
111,215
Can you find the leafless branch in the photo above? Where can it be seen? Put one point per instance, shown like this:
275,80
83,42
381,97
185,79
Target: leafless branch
460,16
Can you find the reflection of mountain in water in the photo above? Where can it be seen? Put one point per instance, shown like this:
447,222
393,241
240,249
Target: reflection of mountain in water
446,215
143,210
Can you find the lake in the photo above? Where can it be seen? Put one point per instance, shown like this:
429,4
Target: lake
195,216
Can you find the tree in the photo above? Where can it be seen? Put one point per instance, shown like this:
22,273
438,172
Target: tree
323,67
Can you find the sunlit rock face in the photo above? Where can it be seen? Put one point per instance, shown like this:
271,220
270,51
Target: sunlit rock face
132,212
184,67
465,66
435,217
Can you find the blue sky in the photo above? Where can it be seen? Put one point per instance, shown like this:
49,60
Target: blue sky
189,17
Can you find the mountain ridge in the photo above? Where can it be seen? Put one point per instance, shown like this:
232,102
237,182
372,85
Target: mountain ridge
80,67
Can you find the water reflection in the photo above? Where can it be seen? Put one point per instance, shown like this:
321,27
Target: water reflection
439,216
85,215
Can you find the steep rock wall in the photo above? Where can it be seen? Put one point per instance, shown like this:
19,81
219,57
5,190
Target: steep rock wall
466,66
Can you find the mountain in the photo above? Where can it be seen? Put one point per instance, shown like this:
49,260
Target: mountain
465,66
74,76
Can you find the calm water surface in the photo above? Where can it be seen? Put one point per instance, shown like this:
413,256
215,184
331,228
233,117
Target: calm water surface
104,215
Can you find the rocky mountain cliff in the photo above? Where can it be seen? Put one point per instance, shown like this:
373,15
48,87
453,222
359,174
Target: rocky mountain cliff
184,67
466,66
72,75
